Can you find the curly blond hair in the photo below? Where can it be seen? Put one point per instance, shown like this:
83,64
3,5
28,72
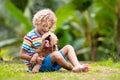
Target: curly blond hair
45,16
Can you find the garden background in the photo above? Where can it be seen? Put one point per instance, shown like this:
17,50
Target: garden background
92,27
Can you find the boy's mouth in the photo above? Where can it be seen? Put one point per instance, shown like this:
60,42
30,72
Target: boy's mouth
43,32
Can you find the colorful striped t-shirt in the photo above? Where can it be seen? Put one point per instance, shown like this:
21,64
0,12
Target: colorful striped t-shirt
31,42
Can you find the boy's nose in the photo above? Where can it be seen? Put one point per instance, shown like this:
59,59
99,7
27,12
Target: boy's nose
46,29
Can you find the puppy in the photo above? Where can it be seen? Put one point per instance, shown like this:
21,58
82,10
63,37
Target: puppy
48,45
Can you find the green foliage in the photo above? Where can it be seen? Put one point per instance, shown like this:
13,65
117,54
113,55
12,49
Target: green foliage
65,38
62,31
35,5
19,16
7,42
57,4
78,21
105,19
62,14
7,31
66,31
77,43
82,5
2,52
21,4
12,54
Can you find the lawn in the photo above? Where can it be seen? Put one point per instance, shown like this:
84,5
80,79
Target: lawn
98,71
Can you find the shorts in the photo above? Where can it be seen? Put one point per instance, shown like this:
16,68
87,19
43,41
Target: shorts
47,65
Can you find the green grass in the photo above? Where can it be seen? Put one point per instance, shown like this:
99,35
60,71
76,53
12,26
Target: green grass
98,71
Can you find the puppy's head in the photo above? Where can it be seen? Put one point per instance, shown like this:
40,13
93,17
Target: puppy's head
50,41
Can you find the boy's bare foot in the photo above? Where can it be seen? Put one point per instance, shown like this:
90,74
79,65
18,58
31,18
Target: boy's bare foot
81,68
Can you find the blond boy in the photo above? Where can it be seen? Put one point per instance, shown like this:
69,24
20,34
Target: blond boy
44,20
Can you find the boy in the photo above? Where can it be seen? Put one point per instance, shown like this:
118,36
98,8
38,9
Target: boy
44,20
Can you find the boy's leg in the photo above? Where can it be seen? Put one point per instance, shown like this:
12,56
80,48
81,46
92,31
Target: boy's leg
59,59
70,53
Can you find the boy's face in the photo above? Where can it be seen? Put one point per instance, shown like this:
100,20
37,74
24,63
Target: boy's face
43,28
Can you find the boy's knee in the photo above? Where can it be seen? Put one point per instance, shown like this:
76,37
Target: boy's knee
56,55
68,46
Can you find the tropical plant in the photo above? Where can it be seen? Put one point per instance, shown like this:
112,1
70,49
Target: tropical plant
88,25
118,28
11,27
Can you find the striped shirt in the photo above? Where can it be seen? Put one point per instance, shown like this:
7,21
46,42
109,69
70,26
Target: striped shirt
31,42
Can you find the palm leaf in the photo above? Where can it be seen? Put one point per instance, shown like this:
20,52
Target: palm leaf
63,13
18,15
8,42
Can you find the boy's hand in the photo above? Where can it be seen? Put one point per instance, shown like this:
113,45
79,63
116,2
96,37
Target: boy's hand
40,60
36,68
34,59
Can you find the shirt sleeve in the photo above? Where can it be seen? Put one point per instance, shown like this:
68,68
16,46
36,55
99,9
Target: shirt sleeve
27,43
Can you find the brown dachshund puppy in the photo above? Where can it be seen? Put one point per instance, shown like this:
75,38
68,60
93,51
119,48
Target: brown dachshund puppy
48,45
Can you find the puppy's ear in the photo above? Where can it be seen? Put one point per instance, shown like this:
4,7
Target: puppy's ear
54,48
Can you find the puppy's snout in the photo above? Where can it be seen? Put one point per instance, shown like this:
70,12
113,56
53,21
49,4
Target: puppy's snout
47,43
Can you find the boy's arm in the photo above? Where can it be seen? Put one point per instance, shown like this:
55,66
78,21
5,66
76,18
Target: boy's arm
34,58
36,68
24,56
